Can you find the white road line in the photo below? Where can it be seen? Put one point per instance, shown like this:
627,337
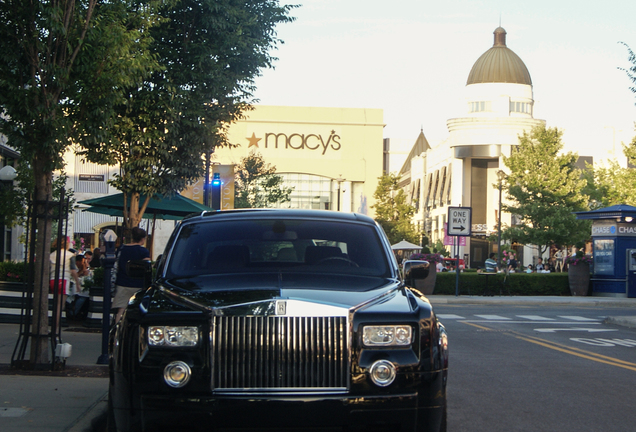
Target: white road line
526,322
493,317
449,316
589,330
577,318
535,318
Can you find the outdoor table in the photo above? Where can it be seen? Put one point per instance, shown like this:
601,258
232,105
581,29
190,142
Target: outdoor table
487,291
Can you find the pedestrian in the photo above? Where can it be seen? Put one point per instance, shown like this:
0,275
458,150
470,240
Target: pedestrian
539,267
439,266
512,263
95,260
491,264
126,286
60,283
88,256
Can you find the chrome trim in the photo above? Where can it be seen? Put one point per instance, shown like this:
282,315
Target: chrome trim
279,353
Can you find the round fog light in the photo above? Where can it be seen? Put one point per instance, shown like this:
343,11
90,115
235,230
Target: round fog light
382,373
177,374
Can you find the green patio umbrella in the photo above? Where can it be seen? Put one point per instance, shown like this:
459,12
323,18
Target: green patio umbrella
172,208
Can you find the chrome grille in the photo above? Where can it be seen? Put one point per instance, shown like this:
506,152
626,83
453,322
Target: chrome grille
278,353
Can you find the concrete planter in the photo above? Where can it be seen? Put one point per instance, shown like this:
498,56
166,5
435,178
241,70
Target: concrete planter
579,279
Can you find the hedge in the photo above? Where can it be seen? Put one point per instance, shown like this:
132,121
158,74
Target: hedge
523,284
12,271
533,284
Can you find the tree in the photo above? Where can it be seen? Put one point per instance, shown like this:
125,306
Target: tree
392,211
256,184
209,52
64,63
545,188
612,184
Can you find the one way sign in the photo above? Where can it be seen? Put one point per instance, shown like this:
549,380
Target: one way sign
459,221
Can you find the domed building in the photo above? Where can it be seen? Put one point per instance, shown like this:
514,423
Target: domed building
462,170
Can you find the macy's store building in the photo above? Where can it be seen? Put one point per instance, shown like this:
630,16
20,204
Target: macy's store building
331,157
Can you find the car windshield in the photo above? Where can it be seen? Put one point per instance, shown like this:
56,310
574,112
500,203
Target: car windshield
291,245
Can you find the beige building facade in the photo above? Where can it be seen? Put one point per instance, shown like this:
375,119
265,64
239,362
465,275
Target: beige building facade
331,157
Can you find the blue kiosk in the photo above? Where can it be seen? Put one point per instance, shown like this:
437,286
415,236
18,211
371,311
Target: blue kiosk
614,250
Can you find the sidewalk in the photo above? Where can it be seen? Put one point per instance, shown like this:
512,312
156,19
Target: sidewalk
62,401
74,400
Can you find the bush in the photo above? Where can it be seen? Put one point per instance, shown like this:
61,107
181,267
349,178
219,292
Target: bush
11,271
98,277
523,284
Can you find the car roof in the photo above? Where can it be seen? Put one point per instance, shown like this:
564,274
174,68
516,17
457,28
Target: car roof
251,214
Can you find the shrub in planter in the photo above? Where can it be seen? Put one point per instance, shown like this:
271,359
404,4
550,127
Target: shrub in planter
11,271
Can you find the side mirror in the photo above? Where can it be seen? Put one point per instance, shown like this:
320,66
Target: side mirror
140,269
415,270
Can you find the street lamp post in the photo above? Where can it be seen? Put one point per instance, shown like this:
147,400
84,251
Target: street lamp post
500,175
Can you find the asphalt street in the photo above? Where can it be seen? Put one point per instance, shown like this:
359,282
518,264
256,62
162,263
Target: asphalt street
74,400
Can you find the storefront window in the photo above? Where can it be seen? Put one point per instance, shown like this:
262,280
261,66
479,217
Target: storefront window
309,191
604,257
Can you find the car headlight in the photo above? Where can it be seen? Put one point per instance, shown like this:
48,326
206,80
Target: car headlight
176,336
387,335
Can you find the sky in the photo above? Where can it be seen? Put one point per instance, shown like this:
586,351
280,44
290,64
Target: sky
412,58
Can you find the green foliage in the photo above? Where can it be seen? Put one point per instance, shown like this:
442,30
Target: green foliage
439,248
522,284
631,71
612,184
392,211
256,184
208,54
16,199
545,188
11,271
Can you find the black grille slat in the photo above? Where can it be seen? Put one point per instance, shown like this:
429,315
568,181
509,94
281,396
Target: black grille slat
275,352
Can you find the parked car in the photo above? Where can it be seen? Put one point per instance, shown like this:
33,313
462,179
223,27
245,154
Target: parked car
278,320
452,262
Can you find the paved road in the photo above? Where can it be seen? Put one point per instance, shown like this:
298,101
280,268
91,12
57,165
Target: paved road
539,368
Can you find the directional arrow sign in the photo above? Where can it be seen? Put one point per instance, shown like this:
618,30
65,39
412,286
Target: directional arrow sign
459,221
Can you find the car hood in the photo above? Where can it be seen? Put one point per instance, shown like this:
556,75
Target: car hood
276,294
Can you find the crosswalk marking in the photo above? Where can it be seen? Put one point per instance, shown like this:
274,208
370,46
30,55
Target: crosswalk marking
535,318
524,318
577,318
493,317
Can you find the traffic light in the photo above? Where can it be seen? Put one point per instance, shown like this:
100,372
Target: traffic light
216,192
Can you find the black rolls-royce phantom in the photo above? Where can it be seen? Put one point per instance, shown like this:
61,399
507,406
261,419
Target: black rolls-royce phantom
279,320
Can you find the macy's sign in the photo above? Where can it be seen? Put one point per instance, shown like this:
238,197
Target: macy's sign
297,141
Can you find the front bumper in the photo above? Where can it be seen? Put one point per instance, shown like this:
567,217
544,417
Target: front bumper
396,412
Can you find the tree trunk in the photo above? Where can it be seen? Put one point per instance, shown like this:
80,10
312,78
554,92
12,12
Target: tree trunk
40,323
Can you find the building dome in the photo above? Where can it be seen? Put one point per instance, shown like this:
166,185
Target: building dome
499,65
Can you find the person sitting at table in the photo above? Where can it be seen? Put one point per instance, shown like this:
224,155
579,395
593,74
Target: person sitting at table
491,264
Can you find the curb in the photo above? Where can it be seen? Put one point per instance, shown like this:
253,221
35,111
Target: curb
536,301
623,321
94,418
